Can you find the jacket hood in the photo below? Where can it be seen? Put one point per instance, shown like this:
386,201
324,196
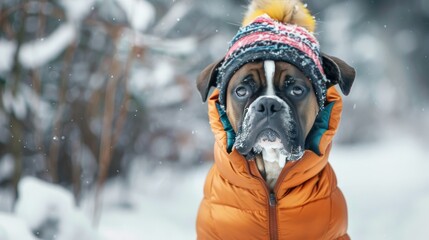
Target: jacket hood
236,169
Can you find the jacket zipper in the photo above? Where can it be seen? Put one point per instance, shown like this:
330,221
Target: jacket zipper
271,203
272,199
273,216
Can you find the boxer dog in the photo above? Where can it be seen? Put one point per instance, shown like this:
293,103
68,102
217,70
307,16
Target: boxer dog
274,114
272,106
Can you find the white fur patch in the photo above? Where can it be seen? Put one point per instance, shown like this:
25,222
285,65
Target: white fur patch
270,69
272,152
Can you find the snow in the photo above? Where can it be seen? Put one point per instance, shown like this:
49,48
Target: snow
6,167
14,228
42,110
274,155
271,150
25,99
76,10
40,202
39,52
162,74
271,155
147,83
274,151
7,50
15,104
174,47
162,204
159,76
386,186
171,18
140,14
34,192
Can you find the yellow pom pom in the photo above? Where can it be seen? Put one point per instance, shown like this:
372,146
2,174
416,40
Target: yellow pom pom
286,11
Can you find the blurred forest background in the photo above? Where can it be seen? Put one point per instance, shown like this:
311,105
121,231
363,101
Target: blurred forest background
90,88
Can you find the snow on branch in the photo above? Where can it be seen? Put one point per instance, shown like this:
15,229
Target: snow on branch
76,10
39,52
7,50
140,14
172,17
15,104
177,46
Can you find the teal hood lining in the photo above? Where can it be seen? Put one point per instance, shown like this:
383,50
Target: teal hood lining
321,125
314,137
227,127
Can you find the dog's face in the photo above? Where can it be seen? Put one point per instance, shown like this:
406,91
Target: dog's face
271,103
274,103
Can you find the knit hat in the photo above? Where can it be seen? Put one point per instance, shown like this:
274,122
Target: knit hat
268,39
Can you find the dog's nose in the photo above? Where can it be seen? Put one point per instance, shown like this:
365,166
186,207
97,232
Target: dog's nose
268,106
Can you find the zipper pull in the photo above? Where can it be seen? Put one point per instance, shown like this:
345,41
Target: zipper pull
273,200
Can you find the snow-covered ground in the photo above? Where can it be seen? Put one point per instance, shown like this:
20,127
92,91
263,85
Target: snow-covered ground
387,188
386,185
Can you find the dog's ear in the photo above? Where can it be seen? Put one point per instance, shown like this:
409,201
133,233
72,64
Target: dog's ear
338,72
207,79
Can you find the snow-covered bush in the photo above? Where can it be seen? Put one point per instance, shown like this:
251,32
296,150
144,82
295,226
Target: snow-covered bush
89,86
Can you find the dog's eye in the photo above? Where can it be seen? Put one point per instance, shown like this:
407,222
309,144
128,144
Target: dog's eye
241,91
297,91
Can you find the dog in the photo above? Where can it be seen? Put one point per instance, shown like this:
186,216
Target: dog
275,90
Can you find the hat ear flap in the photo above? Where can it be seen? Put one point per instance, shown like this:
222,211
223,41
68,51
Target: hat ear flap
338,72
207,79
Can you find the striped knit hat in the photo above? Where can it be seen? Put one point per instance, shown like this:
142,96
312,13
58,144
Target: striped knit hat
268,39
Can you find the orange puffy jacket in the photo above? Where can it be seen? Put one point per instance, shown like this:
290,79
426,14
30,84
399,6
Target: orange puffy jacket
305,204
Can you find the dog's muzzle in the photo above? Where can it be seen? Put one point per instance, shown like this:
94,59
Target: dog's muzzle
270,120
